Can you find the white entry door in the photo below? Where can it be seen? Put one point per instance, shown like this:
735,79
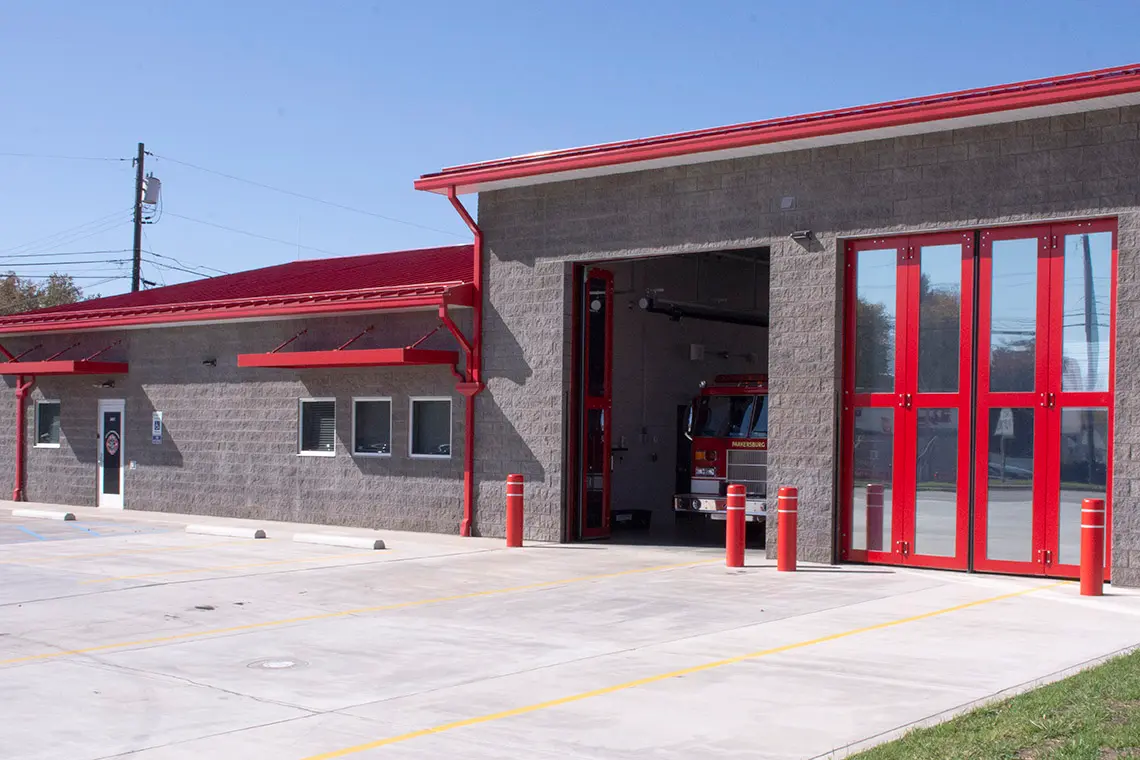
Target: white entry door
111,413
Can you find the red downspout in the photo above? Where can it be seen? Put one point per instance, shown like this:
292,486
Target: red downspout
474,368
22,389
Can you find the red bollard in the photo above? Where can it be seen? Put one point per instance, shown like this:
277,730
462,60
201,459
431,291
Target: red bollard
514,510
787,504
874,517
1092,547
734,527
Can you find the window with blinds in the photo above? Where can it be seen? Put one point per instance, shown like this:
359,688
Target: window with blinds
318,426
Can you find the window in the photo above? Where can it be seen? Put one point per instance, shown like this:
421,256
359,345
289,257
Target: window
318,427
47,424
431,428
372,427
725,416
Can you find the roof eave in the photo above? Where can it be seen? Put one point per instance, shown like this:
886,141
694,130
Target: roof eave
1009,100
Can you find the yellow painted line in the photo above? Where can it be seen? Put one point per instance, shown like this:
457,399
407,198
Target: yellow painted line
347,613
184,571
490,717
121,553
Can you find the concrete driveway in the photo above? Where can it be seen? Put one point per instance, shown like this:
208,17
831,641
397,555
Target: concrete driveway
150,643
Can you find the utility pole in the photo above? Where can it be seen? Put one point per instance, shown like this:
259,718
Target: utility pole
136,271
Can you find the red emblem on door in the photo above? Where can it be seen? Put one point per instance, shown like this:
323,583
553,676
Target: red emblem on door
112,443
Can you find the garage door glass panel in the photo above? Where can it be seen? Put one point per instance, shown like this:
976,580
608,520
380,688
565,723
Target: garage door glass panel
596,358
1088,312
1009,510
873,469
1013,315
936,483
597,460
939,318
1084,474
876,295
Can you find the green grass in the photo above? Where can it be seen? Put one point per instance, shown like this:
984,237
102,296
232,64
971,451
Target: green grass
1094,715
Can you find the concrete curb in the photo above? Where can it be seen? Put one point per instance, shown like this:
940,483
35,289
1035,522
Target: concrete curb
348,542
226,530
42,514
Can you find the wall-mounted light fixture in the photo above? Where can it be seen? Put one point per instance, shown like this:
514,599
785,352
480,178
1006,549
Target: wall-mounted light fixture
801,236
210,362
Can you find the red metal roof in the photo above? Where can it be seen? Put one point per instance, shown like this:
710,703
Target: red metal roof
963,104
402,279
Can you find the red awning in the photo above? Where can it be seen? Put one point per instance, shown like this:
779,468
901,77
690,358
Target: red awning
64,367
369,357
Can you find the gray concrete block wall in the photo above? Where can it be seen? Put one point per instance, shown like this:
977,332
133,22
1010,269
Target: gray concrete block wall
230,444
1075,166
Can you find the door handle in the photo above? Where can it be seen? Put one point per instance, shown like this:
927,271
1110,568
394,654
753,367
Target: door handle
905,400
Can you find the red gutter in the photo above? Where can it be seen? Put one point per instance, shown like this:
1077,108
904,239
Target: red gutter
1041,92
22,390
474,368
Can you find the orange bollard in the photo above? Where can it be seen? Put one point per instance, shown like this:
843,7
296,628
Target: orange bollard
874,517
787,504
734,528
514,510
1092,547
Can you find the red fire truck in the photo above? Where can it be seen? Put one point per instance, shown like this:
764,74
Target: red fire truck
728,428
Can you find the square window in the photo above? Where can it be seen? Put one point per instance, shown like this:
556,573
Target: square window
372,427
47,424
431,428
318,427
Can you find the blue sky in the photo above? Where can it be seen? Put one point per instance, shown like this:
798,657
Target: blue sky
351,101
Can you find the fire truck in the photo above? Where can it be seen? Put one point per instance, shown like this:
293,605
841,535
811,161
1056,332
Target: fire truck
728,427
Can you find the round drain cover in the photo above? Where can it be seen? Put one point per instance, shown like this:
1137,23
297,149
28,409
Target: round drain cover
277,663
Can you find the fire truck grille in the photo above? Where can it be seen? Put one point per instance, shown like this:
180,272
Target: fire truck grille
749,469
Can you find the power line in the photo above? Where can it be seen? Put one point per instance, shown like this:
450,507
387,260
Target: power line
308,197
74,277
113,218
177,269
183,263
252,234
63,158
62,253
70,263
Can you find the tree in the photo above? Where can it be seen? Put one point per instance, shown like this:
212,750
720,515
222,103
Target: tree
19,295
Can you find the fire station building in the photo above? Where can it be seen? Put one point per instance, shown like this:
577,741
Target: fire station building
940,292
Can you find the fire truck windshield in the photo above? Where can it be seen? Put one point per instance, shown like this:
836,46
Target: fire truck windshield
730,417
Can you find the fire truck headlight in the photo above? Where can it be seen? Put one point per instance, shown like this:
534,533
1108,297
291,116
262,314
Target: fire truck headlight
707,472
706,455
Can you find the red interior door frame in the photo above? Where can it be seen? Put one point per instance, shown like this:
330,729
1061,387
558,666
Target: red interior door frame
593,402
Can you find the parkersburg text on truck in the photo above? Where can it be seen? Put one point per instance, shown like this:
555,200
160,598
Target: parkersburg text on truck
728,427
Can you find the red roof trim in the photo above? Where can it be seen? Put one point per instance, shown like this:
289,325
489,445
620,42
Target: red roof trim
369,357
338,302
963,103
64,367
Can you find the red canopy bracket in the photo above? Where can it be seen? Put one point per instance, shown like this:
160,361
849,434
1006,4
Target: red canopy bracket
61,352
298,335
356,337
103,350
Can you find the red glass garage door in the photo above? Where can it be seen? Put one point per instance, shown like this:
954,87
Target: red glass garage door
932,477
